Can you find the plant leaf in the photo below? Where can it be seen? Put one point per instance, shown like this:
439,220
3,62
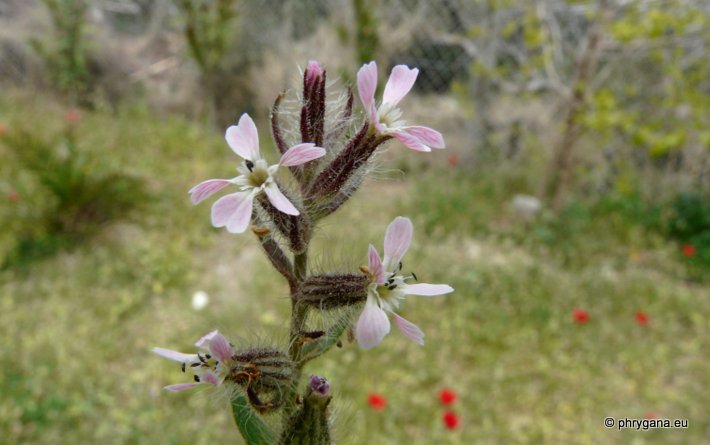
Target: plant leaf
251,426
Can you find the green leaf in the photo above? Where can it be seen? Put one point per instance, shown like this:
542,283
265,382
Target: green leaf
320,346
251,426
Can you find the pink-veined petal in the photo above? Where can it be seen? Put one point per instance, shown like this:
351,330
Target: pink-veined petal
372,326
202,342
410,140
173,355
300,154
374,263
243,138
207,188
427,290
181,387
367,85
397,240
233,211
428,136
220,348
399,84
209,377
409,329
280,201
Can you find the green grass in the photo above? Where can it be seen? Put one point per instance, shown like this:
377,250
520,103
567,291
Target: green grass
78,327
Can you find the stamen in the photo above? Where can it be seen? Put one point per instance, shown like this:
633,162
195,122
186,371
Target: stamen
183,367
414,276
392,287
207,356
249,164
197,378
195,365
202,359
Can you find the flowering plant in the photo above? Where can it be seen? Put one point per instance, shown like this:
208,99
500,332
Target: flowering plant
327,163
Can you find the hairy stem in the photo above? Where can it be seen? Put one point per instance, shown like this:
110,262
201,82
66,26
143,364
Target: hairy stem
298,320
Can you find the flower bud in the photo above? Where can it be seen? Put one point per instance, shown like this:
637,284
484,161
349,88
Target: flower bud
264,373
319,385
334,290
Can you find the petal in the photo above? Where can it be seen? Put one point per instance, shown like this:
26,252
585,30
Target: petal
409,329
233,211
398,85
209,377
397,240
427,136
300,154
372,326
206,338
205,189
427,290
374,263
181,387
410,140
220,348
367,84
173,355
280,201
243,138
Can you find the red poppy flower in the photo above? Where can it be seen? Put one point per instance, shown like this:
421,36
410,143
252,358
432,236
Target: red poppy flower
641,318
13,196
451,420
447,396
580,316
453,159
378,402
689,250
3,129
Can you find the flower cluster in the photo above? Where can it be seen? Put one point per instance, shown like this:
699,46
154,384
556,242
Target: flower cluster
326,157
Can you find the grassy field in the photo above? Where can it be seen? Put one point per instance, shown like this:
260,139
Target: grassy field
78,325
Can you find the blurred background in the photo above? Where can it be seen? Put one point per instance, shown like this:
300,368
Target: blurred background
570,211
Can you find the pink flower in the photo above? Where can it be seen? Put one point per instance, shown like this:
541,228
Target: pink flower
387,119
314,72
210,366
387,288
256,176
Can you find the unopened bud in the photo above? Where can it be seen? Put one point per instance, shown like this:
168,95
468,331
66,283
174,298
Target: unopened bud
319,385
264,373
314,71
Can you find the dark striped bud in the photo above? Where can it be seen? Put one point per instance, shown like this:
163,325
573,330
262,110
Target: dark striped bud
334,290
264,373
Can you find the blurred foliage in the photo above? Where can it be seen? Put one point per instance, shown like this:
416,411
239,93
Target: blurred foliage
690,224
646,101
65,51
209,28
367,39
80,192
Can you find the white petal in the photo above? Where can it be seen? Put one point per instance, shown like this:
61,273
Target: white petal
243,138
181,387
399,84
174,355
397,240
374,263
372,326
280,201
409,329
202,342
300,154
427,290
207,188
